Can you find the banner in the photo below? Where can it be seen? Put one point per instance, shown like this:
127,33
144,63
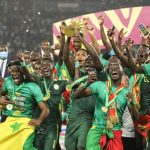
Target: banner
127,18
16,134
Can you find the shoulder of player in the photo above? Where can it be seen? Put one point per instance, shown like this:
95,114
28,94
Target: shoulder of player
99,83
31,84
9,78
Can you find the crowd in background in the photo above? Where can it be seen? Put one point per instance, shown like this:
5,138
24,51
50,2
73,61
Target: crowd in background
25,23
101,97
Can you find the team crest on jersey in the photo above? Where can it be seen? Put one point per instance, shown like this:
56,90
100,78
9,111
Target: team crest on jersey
56,86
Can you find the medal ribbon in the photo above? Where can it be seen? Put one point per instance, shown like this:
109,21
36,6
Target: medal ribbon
112,113
111,97
45,85
136,89
47,95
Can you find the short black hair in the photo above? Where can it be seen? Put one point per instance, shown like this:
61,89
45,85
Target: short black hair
13,63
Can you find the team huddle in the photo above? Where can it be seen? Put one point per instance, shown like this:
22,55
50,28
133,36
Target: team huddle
102,96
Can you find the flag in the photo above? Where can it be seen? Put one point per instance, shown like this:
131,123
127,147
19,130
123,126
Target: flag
16,134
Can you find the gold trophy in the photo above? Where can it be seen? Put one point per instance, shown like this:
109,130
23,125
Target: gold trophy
74,24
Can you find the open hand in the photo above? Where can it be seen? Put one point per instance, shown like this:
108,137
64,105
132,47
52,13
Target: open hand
92,77
110,34
129,44
85,20
63,27
101,20
130,97
20,55
4,101
90,29
121,34
35,122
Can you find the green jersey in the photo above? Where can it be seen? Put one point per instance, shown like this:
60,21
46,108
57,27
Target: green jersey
25,97
147,69
82,108
54,103
104,61
144,94
127,72
100,118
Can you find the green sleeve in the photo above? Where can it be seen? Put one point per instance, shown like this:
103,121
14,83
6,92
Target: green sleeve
4,87
127,72
131,81
37,93
94,87
147,69
104,61
6,84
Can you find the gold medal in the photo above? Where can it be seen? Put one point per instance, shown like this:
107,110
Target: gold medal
9,107
104,109
17,112
68,88
47,96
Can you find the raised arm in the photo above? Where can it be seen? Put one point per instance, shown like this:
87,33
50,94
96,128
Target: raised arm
132,65
84,90
95,44
77,72
116,49
92,52
120,38
103,35
28,75
69,61
62,43
148,38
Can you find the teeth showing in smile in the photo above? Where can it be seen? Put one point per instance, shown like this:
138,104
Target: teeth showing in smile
16,80
114,74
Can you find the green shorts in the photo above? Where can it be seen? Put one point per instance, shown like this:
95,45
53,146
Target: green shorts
76,134
47,137
93,138
113,141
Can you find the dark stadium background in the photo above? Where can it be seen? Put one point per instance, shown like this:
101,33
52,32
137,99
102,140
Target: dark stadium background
25,23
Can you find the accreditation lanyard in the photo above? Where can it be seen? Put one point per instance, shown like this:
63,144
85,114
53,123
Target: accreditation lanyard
110,98
45,85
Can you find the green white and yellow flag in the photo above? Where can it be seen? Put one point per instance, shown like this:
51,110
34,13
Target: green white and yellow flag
16,134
